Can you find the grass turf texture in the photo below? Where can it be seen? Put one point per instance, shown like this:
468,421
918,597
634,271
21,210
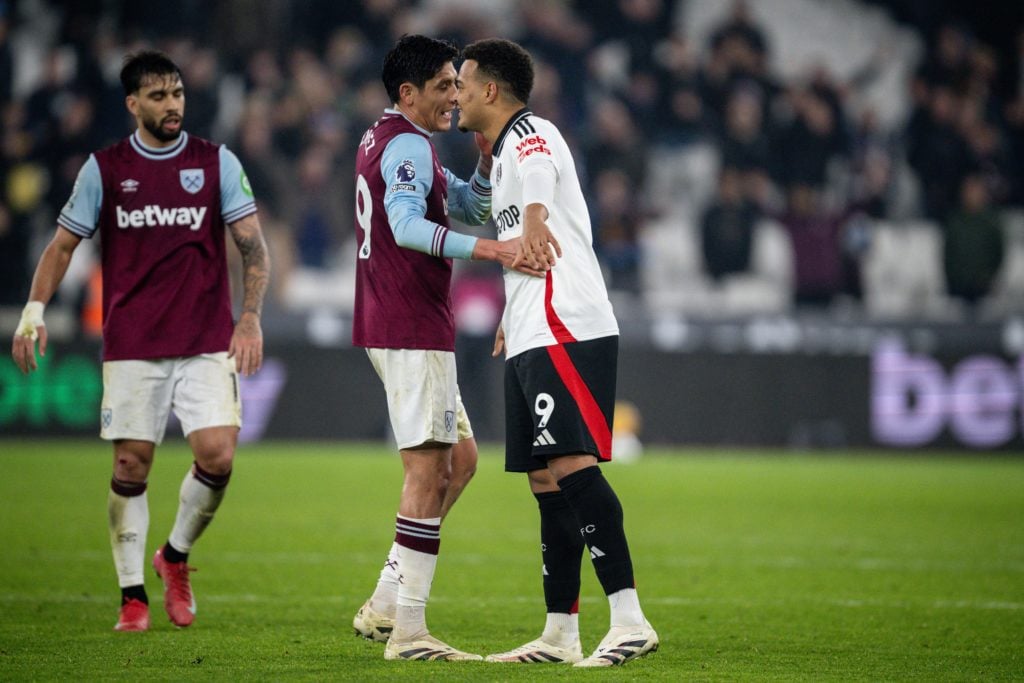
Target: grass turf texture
764,566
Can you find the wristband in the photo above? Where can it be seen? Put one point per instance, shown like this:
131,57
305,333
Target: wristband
31,320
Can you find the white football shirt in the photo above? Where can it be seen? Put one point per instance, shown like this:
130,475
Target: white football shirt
571,303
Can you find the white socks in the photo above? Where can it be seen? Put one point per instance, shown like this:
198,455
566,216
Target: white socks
625,608
128,519
385,596
417,542
561,629
197,503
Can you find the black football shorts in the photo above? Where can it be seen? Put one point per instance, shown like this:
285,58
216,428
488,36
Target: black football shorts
559,400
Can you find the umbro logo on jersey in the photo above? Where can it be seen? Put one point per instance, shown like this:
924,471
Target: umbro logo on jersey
544,439
130,185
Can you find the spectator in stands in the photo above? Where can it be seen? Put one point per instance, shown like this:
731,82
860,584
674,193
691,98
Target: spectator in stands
745,143
69,144
317,210
810,141
741,29
201,74
682,108
615,142
738,53
973,248
270,173
14,238
727,228
827,246
561,39
948,61
617,224
938,153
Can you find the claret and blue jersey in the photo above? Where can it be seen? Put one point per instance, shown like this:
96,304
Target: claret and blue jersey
161,214
404,197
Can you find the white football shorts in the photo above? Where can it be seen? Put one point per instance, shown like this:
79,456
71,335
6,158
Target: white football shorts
138,396
424,402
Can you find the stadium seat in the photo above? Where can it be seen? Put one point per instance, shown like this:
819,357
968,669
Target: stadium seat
903,273
1007,296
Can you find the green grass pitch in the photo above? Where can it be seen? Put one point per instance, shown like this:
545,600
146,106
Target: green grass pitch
751,566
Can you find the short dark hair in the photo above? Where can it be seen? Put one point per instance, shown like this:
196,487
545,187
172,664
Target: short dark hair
504,61
138,66
415,59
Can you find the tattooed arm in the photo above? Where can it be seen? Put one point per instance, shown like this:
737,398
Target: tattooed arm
247,341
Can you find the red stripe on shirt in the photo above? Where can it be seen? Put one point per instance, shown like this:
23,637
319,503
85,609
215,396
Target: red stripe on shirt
580,392
558,328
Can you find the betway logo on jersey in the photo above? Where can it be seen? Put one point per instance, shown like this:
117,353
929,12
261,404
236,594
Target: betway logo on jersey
154,216
534,144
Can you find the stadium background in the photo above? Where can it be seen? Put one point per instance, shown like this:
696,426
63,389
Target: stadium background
772,197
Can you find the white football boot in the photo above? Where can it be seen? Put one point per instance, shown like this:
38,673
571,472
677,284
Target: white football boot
540,652
623,644
427,648
372,625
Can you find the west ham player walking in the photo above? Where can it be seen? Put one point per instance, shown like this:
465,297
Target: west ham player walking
561,344
403,317
160,200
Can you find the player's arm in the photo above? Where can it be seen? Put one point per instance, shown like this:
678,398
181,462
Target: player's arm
539,246
247,340
499,341
78,218
470,202
53,264
238,209
408,173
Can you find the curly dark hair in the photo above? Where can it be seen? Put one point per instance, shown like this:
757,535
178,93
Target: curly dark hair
506,62
415,59
139,66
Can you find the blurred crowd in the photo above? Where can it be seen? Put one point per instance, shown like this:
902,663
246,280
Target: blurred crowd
290,87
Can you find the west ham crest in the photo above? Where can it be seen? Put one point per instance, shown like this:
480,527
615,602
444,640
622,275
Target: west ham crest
192,179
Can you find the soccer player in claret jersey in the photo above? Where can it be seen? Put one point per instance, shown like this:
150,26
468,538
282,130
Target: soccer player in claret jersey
403,317
160,200
560,339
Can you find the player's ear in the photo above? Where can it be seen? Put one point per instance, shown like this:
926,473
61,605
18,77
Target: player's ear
406,93
132,103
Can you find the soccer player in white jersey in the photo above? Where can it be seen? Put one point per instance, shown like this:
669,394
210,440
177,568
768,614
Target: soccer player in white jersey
560,339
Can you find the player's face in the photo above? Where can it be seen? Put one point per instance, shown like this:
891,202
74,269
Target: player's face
433,104
471,94
159,106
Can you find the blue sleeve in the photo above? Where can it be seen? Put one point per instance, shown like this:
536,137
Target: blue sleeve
469,202
82,212
236,199
407,167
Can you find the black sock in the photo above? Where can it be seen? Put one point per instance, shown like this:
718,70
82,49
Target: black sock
134,593
173,555
562,551
599,516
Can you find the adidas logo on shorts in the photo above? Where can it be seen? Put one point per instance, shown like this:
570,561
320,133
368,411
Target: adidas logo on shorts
544,439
